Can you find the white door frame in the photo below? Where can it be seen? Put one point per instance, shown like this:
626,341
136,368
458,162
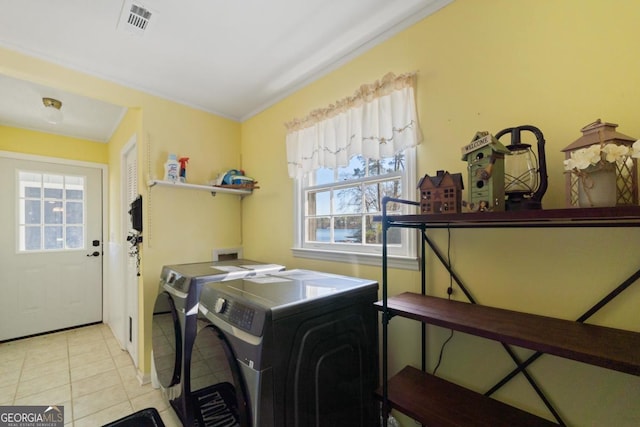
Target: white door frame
105,189
130,293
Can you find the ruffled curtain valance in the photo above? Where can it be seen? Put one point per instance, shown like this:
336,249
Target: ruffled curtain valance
378,121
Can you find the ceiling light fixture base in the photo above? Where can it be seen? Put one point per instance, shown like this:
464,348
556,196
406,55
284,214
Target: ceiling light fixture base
52,112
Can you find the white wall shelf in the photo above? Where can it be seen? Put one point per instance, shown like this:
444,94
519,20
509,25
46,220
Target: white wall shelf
210,188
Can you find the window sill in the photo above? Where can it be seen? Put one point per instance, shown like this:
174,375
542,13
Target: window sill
404,263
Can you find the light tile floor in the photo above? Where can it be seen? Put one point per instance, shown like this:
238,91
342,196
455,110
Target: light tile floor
83,370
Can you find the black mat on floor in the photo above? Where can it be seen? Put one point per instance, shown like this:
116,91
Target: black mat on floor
145,418
216,406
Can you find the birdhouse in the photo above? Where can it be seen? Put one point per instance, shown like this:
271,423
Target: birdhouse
485,164
441,193
626,180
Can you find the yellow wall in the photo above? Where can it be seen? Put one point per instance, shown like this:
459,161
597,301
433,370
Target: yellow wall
489,65
180,225
45,144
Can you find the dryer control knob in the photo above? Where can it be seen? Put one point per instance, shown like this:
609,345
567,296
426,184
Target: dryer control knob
221,305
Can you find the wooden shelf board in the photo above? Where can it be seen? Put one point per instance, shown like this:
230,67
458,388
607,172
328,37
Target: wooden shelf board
597,345
438,403
573,217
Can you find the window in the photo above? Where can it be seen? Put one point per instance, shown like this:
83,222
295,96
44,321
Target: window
337,207
344,159
51,212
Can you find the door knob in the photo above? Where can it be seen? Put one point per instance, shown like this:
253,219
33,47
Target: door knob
94,253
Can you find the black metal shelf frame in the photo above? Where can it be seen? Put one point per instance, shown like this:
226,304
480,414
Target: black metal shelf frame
631,219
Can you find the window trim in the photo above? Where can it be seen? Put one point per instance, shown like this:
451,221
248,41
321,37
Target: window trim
406,258
405,263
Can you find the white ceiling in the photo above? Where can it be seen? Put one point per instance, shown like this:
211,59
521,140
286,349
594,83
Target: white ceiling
232,58
21,107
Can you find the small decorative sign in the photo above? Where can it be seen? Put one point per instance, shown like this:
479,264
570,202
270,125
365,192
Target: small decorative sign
477,143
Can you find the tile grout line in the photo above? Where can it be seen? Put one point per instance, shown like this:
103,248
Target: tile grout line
70,381
15,392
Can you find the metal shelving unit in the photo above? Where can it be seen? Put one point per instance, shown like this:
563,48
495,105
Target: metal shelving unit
433,401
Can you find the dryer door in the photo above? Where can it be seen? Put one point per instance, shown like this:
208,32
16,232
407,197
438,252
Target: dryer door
166,341
217,383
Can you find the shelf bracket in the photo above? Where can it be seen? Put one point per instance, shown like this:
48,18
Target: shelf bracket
387,316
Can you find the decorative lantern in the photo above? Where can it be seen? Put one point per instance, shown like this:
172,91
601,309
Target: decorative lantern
485,163
626,177
525,173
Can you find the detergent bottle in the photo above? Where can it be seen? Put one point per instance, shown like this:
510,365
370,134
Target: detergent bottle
183,168
171,169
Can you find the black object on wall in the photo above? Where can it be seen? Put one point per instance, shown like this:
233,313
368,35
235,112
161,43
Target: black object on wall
136,214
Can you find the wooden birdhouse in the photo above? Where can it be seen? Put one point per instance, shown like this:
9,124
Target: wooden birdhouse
485,163
441,193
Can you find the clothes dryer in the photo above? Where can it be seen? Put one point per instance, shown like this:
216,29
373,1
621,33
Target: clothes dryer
174,321
296,348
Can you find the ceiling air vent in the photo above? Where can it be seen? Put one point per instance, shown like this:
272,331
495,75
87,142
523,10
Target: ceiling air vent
134,17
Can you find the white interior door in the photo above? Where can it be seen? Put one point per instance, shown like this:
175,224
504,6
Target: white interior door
50,246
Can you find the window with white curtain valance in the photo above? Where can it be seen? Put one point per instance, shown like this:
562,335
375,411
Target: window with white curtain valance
344,160
377,122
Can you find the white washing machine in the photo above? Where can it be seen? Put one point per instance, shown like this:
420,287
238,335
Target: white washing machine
175,326
296,348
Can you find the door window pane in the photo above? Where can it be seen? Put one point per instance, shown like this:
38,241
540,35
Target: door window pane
74,194
30,210
73,213
53,237
30,184
74,237
53,186
52,212
32,192
32,238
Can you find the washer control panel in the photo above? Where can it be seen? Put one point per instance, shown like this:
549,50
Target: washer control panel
239,315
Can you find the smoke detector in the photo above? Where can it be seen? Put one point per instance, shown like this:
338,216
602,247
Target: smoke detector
134,17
